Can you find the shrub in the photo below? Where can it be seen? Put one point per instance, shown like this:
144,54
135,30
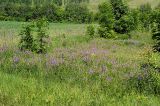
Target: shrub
41,43
156,37
90,31
125,24
148,80
26,41
135,16
106,21
104,33
145,11
124,21
38,43
156,29
119,8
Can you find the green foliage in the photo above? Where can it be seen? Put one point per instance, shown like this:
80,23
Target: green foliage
119,8
154,60
156,29
124,21
136,16
90,31
156,37
34,43
145,11
26,41
148,80
104,33
94,72
125,24
41,41
78,13
53,11
106,21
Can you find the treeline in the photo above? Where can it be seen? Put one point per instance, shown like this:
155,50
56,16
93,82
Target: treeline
54,10
77,11
43,2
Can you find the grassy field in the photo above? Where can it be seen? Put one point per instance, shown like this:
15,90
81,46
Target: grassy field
75,72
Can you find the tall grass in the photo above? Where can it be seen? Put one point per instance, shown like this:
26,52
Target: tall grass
75,71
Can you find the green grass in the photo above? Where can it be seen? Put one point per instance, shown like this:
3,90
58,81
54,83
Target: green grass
75,72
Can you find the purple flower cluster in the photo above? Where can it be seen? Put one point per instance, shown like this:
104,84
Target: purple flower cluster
104,69
91,71
86,59
109,79
52,63
16,60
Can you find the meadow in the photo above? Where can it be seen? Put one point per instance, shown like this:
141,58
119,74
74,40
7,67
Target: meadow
76,71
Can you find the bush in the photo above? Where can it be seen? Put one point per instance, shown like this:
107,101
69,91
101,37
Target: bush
125,24
91,31
135,15
145,11
41,43
156,38
156,29
148,79
106,21
124,21
104,33
147,82
32,42
119,8
26,41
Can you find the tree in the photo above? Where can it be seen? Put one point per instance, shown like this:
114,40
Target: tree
30,41
145,11
124,21
119,8
90,31
42,26
106,20
26,41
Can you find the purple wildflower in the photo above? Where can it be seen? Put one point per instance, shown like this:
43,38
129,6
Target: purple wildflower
91,71
16,60
94,50
109,79
53,62
86,59
104,69
140,77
